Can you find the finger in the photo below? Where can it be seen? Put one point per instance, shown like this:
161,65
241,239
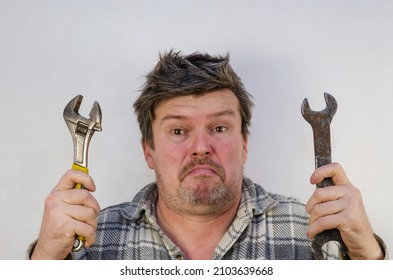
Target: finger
326,209
322,195
86,222
61,205
332,170
86,230
63,219
81,197
327,222
72,177
82,214
322,224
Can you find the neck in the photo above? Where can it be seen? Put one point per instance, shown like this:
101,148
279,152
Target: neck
196,235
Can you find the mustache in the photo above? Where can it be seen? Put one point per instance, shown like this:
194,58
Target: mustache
202,161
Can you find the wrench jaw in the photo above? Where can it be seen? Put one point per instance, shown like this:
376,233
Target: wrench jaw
96,116
81,128
322,118
331,105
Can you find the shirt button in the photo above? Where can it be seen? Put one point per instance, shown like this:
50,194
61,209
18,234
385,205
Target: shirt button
179,257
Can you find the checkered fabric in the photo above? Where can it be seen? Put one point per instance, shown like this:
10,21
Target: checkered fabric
267,226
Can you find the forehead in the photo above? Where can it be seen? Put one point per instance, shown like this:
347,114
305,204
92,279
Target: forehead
212,103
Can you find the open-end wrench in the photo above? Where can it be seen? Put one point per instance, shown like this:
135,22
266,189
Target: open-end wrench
320,123
81,129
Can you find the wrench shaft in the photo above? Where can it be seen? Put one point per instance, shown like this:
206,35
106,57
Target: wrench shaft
322,150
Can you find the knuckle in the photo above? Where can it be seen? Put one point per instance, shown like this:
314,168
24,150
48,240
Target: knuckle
319,194
321,223
52,200
90,231
354,196
84,194
91,213
317,210
68,174
336,165
355,192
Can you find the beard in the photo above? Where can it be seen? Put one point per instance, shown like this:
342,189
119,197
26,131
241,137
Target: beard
201,194
204,193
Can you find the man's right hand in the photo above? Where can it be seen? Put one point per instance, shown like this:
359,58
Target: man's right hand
68,212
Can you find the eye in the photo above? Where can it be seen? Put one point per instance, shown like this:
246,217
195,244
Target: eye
220,129
177,131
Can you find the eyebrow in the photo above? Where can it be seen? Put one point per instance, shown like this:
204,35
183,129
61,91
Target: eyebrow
225,112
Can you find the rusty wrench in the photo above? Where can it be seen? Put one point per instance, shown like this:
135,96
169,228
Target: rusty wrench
81,129
320,123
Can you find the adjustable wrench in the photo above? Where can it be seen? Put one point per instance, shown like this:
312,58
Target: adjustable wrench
320,123
81,129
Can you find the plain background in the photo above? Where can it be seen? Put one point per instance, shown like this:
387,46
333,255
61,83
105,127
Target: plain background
284,50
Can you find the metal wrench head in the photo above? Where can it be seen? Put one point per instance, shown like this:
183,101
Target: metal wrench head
81,128
318,117
320,123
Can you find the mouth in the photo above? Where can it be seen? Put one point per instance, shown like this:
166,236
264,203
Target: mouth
202,170
202,167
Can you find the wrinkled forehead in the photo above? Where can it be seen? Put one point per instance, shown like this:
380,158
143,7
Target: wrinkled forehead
216,103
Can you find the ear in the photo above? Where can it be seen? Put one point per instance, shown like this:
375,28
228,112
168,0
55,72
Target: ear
147,151
245,148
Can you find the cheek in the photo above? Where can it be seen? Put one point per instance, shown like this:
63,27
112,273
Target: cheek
234,154
169,158
237,147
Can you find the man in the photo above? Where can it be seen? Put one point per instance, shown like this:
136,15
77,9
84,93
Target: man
194,114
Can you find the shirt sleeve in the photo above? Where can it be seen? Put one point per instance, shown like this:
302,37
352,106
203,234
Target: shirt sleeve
30,251
383,246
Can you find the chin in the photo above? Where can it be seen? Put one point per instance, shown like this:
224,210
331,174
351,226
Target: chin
206,192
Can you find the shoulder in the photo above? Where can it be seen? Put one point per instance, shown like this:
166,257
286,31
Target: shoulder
143,201
266,201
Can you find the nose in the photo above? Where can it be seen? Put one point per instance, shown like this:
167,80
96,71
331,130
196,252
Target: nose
201,145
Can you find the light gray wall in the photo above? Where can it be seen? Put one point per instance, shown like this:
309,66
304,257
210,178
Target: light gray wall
284,50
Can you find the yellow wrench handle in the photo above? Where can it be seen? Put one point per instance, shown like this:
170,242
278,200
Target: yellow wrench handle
80,168
79,240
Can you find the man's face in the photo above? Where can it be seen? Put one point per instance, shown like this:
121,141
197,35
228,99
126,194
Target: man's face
199,152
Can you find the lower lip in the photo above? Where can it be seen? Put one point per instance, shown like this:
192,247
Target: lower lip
202,171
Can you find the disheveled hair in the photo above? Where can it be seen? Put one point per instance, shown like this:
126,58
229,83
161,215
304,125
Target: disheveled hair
180,75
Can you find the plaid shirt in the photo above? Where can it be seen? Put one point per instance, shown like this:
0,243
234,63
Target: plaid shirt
267,226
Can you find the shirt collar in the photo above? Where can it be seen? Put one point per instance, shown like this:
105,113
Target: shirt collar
144,203
255,198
